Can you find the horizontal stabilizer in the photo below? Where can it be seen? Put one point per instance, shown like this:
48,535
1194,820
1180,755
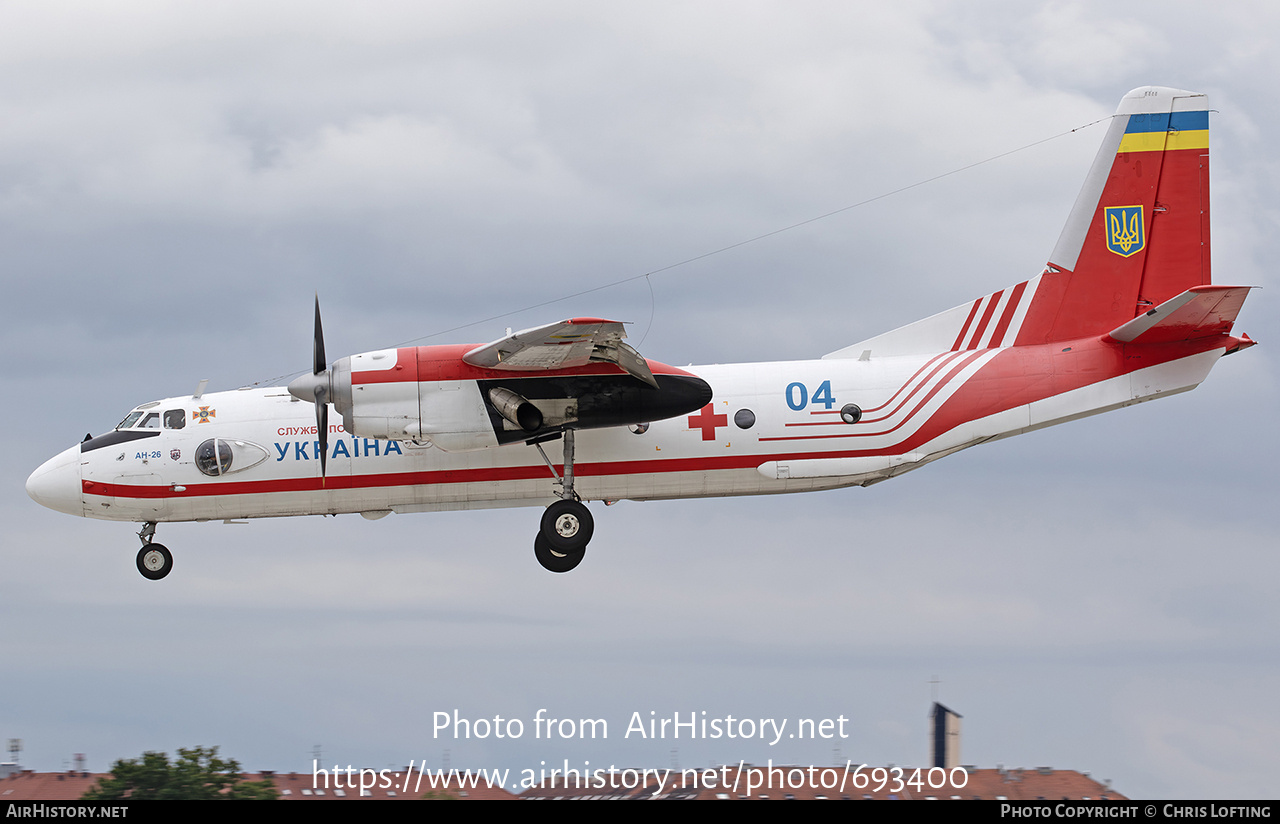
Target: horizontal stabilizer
1199,312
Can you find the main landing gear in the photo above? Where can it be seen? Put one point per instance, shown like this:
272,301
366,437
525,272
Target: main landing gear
154,560
567,524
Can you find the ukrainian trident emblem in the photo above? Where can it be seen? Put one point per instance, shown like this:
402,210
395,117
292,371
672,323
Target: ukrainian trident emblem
1126,235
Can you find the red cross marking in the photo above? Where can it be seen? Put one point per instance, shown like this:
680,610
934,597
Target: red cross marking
707,420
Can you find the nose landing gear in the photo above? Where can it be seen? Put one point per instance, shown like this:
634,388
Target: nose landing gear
154,560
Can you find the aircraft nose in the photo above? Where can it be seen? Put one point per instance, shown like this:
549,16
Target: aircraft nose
56,484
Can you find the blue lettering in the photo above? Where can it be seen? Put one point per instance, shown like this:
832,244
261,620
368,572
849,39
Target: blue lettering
823,395
393,445
797,395
300,451
797,402
366,447
340,448
283,449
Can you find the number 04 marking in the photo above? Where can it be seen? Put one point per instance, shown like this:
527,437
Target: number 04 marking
798,395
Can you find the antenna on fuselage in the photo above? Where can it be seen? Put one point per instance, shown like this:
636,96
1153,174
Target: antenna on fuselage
200,389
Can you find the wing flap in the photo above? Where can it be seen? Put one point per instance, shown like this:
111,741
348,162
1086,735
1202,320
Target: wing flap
564,345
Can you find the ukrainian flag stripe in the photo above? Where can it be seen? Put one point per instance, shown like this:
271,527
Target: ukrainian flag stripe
1164,141
1177,121
1188,140
1143,142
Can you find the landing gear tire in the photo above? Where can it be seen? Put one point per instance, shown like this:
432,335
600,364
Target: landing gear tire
154,561
554,561
567,526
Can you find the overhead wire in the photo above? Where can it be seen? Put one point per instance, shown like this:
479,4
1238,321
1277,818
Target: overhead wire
736,245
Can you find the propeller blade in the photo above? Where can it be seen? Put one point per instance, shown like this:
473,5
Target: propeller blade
322,429
315,388
319,364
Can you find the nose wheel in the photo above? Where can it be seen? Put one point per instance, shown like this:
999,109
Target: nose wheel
154,560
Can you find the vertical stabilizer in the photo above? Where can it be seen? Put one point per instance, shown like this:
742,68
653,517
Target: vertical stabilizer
1138,234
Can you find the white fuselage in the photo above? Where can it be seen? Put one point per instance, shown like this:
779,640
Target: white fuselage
770,428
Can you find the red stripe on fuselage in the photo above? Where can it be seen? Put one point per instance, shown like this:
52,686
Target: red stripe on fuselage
928,364
986,318
965,360
955,347
1015,297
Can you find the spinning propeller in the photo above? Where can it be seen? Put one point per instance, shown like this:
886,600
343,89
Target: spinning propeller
316,388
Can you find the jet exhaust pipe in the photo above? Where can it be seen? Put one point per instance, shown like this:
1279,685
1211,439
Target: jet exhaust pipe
516,409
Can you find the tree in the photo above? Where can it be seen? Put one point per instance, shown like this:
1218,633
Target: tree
197,774
439,795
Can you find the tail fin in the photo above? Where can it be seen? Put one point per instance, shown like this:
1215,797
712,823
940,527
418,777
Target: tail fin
1137,237
1139,232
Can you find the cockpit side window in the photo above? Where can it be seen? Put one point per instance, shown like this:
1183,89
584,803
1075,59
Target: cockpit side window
129,420
151,421
175,418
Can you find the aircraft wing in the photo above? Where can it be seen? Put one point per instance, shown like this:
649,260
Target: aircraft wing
564,345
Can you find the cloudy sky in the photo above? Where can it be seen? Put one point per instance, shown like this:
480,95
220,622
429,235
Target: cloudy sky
177,180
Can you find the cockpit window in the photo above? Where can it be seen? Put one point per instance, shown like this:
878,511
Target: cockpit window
151,421
175,418
129,420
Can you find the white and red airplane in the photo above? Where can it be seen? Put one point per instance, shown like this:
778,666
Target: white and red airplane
1124,312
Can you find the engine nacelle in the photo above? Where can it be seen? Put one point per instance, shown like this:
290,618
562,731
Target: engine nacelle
428,393
383,395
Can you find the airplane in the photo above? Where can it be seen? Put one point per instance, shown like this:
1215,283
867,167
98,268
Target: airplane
1124,312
